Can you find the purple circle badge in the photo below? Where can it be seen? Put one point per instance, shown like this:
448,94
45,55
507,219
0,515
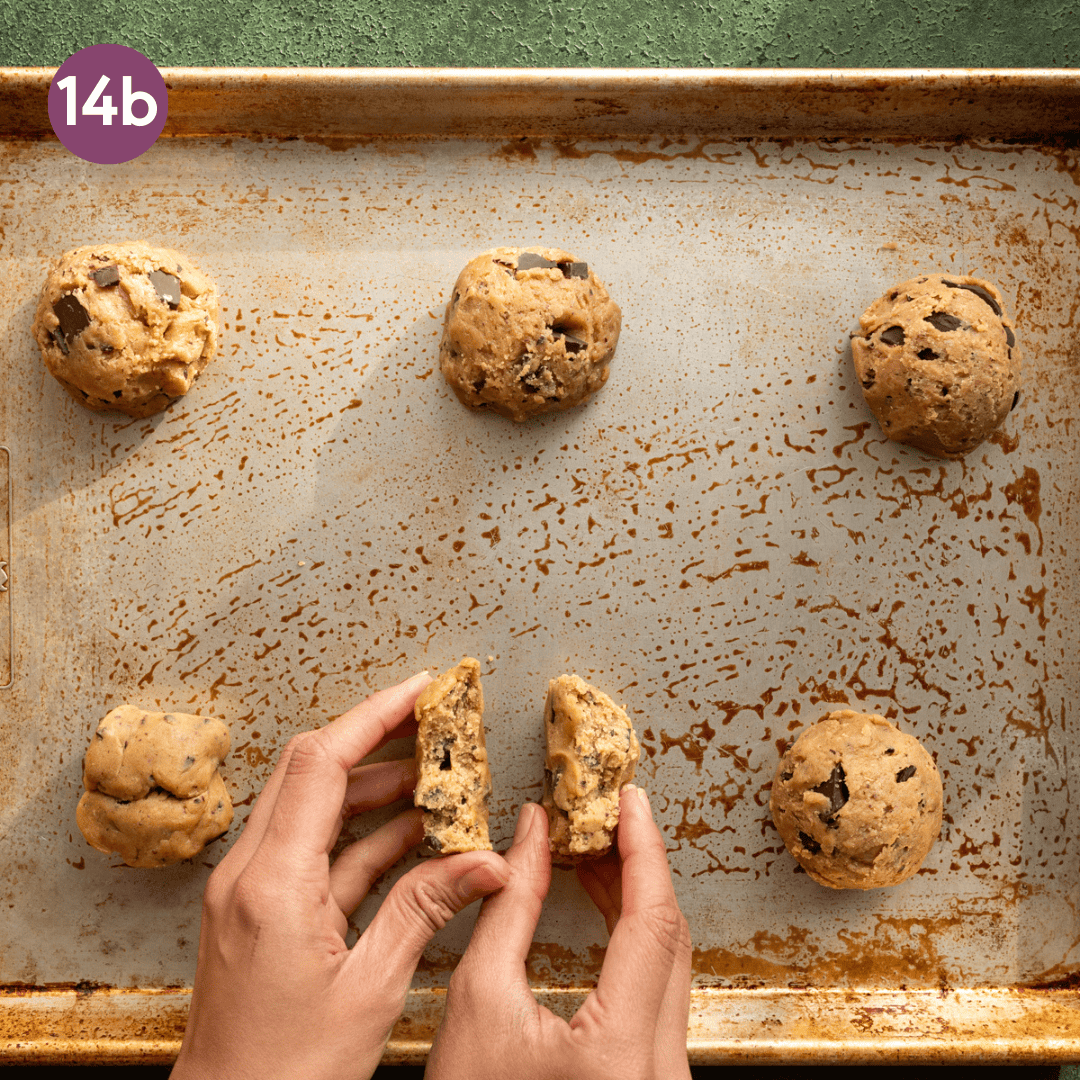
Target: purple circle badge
108,104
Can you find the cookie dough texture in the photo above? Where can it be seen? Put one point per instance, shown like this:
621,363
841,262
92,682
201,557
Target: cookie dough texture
592,751
527,331
154,795
938,362
857,801
126,326
454,782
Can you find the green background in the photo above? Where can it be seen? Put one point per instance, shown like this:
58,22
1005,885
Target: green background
555,33
552,33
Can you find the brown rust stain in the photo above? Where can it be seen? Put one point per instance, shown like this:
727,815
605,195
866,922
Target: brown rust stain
898,951
1024,492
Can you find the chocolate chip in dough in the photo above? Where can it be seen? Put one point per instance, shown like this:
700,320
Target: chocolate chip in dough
61,341
834,789
1010,337
943,321
980,292
574,269
529,260
809,843
1016,398
905,773
892,335
72,316
572,342
106,277
166,286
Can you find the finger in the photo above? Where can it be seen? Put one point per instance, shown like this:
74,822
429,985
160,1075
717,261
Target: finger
495,958
421,903
237,857
645,942
646,876
378,784
674,1019
356,868
405,730
602,880
306,816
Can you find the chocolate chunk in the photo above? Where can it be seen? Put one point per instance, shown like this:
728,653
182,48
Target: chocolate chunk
166,286
61,341
941,320
893,335
890,751
1010,337
572,342
809,843
106,276
1016,398
786,775
529,260
905,774
871,375
73,317
927,354
834,789
979,291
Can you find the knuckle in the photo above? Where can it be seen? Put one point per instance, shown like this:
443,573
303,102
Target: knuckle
428,904
667,926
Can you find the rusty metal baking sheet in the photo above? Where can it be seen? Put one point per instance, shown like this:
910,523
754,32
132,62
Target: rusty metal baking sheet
721,539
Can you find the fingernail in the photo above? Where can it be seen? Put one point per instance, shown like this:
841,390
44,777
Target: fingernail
644,796
484,879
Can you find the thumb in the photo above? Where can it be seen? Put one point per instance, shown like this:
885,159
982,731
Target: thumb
421,903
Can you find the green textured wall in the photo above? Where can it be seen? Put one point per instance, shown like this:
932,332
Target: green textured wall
553,33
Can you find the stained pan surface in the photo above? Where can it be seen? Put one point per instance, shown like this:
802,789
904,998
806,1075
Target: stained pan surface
722,539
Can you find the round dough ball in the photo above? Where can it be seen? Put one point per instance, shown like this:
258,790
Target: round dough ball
126,326
857,801
528,330
938,363
153,791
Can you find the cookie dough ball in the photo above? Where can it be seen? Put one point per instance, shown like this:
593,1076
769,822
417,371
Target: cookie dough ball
857,801
592,752
154,795
938,363
126,326
528,330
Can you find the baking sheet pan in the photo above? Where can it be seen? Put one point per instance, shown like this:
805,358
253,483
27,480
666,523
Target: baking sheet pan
722,539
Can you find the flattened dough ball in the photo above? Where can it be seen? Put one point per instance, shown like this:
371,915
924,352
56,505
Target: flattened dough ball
528,330
454,781
154,795
592,752
126,326
938,362
857,801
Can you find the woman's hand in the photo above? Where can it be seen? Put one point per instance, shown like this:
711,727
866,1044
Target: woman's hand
277,991
631,1027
